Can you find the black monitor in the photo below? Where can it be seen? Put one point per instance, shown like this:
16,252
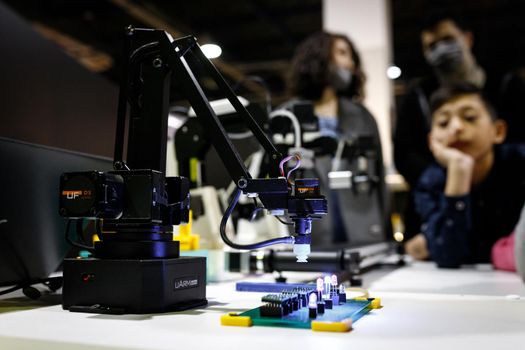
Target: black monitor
32,241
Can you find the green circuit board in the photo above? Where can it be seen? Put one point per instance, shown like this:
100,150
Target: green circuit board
324,306
352,309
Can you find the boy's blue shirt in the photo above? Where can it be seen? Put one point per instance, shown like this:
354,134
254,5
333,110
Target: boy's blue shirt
462,229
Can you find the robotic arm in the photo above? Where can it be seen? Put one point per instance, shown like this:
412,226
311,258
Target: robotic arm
156,62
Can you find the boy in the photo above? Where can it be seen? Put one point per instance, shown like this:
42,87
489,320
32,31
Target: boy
475,193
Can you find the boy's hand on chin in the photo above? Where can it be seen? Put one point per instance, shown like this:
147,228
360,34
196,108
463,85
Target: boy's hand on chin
447,156
459,167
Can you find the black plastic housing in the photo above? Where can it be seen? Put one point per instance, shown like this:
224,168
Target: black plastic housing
117,286
144,196
91,194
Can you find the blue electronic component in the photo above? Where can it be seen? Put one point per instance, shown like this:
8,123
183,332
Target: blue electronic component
327,286
342,294
312,306
320,286
334,291
268,287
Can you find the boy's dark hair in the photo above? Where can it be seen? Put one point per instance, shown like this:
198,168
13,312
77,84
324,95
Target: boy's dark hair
431,20
449,92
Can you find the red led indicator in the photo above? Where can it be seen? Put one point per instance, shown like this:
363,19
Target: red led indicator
87,277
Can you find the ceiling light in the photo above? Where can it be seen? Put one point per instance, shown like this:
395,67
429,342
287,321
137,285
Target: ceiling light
211,50
393,72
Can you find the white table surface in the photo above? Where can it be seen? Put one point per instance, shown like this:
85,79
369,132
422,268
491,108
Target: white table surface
424,308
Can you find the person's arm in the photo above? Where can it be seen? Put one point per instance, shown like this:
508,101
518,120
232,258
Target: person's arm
446,220
446,213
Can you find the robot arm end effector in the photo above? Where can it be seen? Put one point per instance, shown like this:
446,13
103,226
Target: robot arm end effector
301,200
305,205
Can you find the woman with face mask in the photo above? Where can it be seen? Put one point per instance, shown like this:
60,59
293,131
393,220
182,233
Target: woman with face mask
326,70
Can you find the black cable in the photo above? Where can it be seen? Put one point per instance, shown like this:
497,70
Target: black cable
254,213
256,210
284,222
226,216
12,289
53,283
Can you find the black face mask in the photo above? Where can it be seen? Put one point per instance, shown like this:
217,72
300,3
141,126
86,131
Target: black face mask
340,78
445,56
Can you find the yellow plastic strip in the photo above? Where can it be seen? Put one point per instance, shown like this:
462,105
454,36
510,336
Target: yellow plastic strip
233,319
376,303
341,326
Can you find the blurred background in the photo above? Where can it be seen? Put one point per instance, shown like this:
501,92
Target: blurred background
257,37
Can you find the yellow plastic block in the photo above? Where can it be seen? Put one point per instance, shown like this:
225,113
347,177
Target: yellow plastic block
361,299
233,319
187,239
194,169
341,326
376,303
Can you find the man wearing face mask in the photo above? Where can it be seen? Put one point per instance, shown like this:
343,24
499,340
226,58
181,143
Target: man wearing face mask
447,48
326,70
